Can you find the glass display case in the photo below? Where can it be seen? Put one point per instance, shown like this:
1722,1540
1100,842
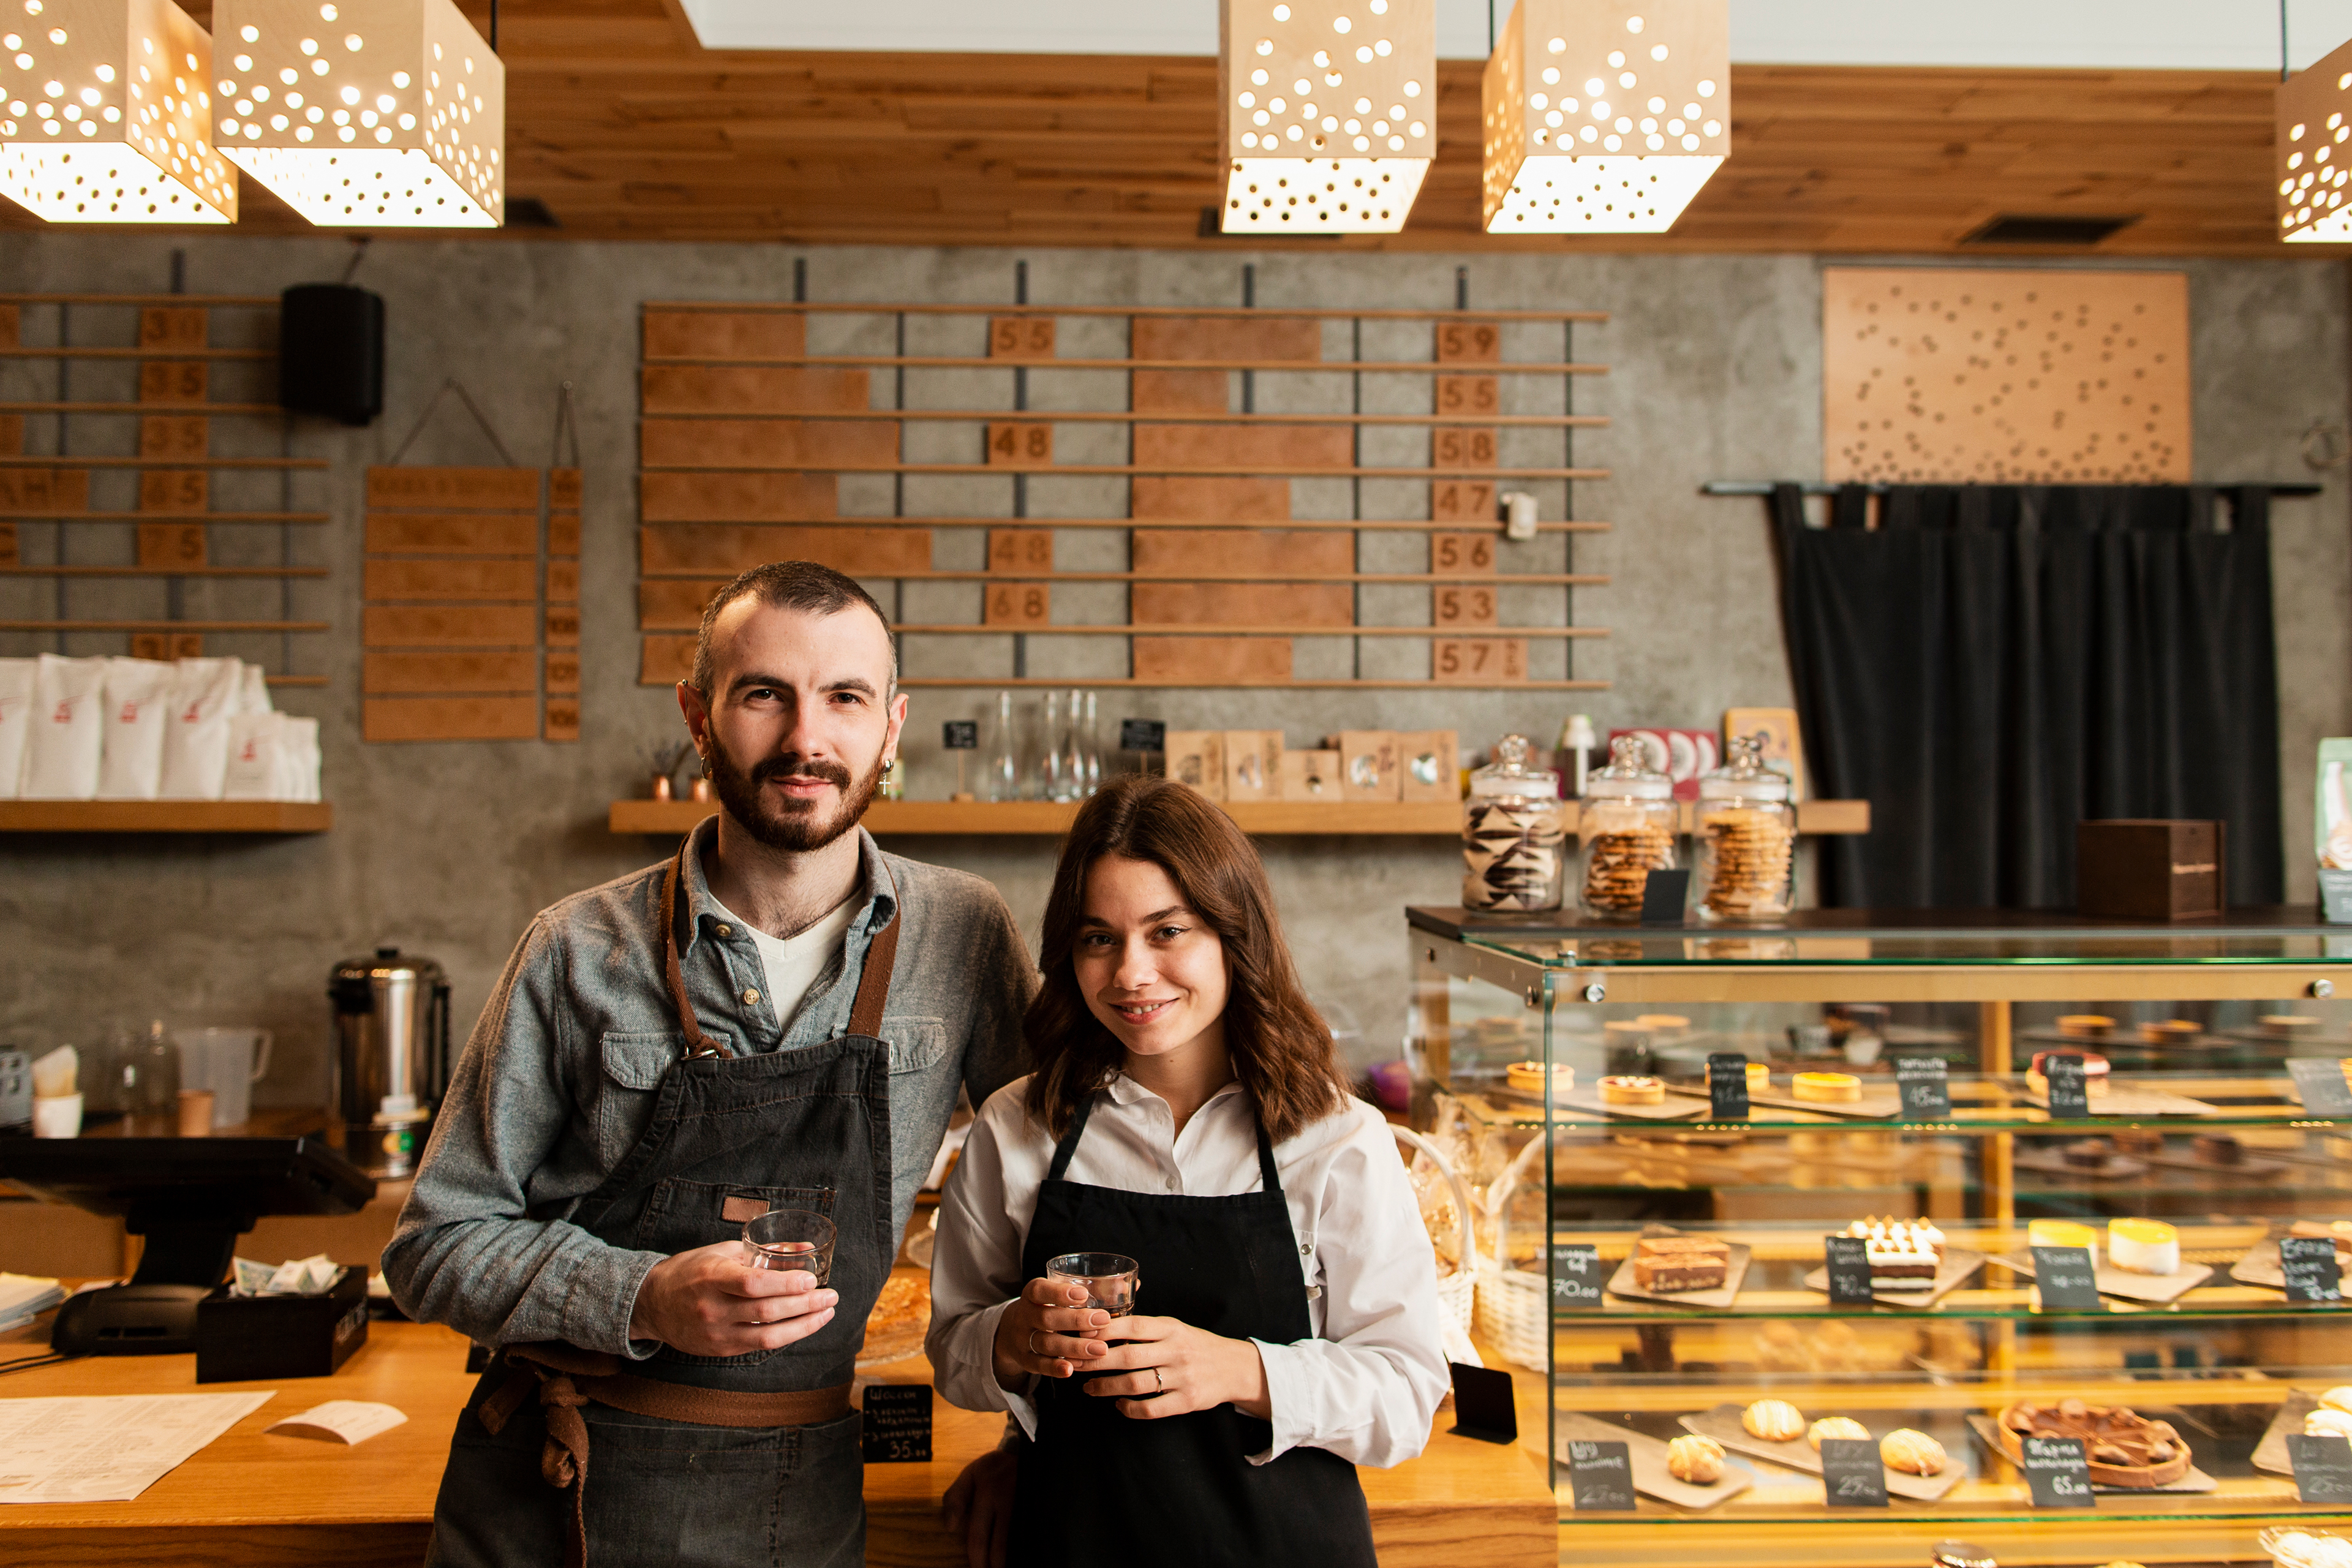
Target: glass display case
1651,1266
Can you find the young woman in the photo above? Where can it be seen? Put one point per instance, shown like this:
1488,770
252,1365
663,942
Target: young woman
1187,1110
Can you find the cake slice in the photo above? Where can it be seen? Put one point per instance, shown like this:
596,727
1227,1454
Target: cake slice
1903,1255
1669,1263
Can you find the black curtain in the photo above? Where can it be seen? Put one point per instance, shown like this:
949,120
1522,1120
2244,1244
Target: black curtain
1992,664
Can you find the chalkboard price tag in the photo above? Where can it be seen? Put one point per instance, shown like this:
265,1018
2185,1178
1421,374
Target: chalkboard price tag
1601,1477
2069,1099
1726,1086
1849,1270
898,1423
1925,1085
960,735
2308,1262
2322,1467
1853,1475
1142,735
1576,1275
1664,897
2066,1278
2056,1470
2320,1084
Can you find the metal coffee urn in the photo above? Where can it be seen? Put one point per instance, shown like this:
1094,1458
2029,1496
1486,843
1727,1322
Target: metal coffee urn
390,1059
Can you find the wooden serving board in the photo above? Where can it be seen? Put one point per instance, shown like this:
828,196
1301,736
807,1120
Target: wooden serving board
1876,1104
1651,1477
1670,1110
2126,1102
2270,1454
1955,1267
1735,1270
1722,1424
2260,1266
2195,1480
2125,1285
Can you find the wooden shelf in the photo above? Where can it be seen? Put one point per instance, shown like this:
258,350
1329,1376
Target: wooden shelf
67,460
1193,629
1487,579
851,307
1137,470
165,816
1438,818
1120,415
165,626
984,362
1153,525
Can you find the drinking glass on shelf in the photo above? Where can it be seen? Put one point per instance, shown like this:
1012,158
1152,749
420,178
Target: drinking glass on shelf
1053,762
1090,747
1004,760
1111,1280
790,1239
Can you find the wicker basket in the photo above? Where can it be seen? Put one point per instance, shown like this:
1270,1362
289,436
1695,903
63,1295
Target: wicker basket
1455,1290
1513,1304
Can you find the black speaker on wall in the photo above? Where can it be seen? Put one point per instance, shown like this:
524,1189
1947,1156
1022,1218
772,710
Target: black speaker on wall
330,352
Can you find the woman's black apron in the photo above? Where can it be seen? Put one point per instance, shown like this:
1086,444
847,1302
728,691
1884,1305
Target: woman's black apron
699,1461
1098,1486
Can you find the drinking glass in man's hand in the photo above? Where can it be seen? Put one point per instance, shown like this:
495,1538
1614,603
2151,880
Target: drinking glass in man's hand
791,1239
1110,1280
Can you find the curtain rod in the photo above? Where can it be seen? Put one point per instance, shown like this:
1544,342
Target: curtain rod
1812,488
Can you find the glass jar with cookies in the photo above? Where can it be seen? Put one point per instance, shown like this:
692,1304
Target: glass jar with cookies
1747,840
1627,825
1514,833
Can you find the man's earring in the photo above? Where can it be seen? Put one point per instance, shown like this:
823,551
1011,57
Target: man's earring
888,764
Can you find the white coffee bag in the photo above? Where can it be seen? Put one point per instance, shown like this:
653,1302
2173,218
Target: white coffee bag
195,740
17,676
61,749
302,758
252,690
138,712
256,758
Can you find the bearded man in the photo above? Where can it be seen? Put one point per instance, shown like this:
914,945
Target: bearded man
778,1019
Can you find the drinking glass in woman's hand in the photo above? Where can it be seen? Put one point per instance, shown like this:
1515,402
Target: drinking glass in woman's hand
1165,1366
1110,1280
1047,1330
791,1239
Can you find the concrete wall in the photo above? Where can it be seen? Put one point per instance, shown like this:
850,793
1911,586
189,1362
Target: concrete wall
446,850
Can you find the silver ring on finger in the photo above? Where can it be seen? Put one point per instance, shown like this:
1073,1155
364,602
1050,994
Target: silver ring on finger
1160,1381
1033,1343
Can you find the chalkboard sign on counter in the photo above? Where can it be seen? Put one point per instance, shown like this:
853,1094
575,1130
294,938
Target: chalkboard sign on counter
1576,1275
2070,1096
1726,1086
1853,1475
2322,1467
2308,1263
2066,1278
898,1423
1142,735
1601,1477
2056,1471
1849,1258
1925,1085
960,735
2320,1084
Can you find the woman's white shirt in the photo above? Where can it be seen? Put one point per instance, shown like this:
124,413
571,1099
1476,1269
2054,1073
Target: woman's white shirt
1366,1386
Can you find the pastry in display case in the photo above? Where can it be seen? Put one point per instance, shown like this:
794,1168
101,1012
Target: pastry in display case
1898,1101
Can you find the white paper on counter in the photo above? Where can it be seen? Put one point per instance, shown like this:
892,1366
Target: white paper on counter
110,1448
340,1421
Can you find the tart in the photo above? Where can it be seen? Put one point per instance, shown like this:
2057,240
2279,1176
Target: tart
2094,1073
2144,1246
1696,1459
1914,1453
1833,1088
2125,1448
1624,1089
2085,1025
1774,1420
1527,1078
1835,1427
1667,1264
2170,1031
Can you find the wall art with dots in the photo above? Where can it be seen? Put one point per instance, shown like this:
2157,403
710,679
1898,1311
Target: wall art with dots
1983,376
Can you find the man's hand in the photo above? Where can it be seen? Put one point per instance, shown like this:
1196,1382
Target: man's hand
1048,1330
979,1507
709,1303
1167,1367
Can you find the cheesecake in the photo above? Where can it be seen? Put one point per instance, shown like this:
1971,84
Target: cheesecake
2144,1246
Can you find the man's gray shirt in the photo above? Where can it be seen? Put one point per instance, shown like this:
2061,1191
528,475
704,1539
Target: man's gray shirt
560,1076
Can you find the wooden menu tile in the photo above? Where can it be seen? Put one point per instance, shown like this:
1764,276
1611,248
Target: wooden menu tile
737,498
1191,496
1018,444
173,379
168,435
1428,764
1472,341
1265,552
7,545
726,334
563,671
1368,766
1462,446
674,604
11,328
1017,605
1477,661
167,646
744,389
1310,775
1197,757
767,443
1021,337
562,626
720,549
384,718
563,533
1241,605
12,433
563,488
1462,605
563,719
175,490
468,581
449,533
1253,764
419,674
562,582
173,327
1180,391
1021,550
453,488
1245,446
1462,500
43,492
1469,394
665,660
1213,661
1251,339
163,546
429,626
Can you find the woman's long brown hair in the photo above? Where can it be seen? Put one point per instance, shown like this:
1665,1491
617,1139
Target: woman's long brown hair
1280,1048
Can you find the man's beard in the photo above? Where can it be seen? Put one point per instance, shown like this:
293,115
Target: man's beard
789,825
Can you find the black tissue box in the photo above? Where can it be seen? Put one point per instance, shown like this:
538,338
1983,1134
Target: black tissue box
247,1339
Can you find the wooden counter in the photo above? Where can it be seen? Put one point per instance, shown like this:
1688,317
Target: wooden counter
257,1501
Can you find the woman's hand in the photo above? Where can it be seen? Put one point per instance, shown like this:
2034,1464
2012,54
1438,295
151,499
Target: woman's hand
979,1507
1047,1331
1167,1368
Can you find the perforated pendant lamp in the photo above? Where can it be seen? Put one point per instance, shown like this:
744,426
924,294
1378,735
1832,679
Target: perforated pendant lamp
107,116
374,113
1328,114
1604,116
2314,152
